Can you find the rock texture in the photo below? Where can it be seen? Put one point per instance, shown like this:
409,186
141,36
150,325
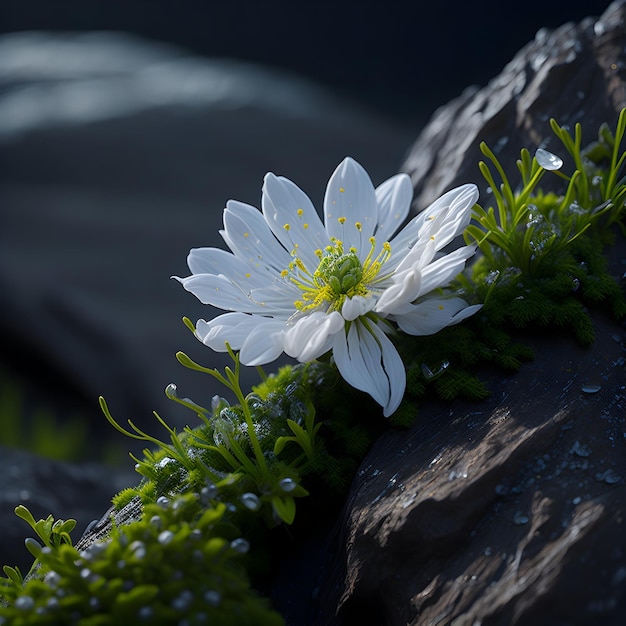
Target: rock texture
63,490
512,510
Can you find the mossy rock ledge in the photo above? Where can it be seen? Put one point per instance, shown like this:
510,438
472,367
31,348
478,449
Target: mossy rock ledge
510,510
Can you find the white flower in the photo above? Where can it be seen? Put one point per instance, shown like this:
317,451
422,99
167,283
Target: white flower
296,285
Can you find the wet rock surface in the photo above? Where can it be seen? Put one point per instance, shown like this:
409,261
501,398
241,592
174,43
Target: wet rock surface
511,510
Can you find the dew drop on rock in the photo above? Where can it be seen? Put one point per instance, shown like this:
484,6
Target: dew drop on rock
610,477
590,388
579,450
547,160
520,519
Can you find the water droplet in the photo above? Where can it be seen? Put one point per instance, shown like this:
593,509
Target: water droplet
579,450
183,601
52,603
25,603
588,388
287,484
577,500
240,545
610,477
547,160
52,579
208,493
599,29
429,374
520,519
165,537
163,502
87,574
596,181
457,473
212,598
251,501
146,613
155,520
138,548
487,551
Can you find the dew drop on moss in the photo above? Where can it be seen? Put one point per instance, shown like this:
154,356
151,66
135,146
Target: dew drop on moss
240,545
183,601
547,160
251,501
212,598
165,537
145,613
24,603
287,484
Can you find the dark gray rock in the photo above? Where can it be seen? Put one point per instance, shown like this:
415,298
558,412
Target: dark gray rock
46,487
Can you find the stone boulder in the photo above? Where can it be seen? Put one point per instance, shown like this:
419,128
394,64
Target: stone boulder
511,510
48,487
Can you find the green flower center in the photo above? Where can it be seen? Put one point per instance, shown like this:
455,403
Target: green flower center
339,275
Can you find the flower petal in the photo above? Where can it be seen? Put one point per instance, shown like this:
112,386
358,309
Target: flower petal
220,292
233,328
248,235
440,272
310,336
449,214
264,344
357,306
404,289
217,261
285,204
368,361
433,314
394,201
350,198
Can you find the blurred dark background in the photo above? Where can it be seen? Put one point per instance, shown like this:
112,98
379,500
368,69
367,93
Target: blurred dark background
118,153
401,58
